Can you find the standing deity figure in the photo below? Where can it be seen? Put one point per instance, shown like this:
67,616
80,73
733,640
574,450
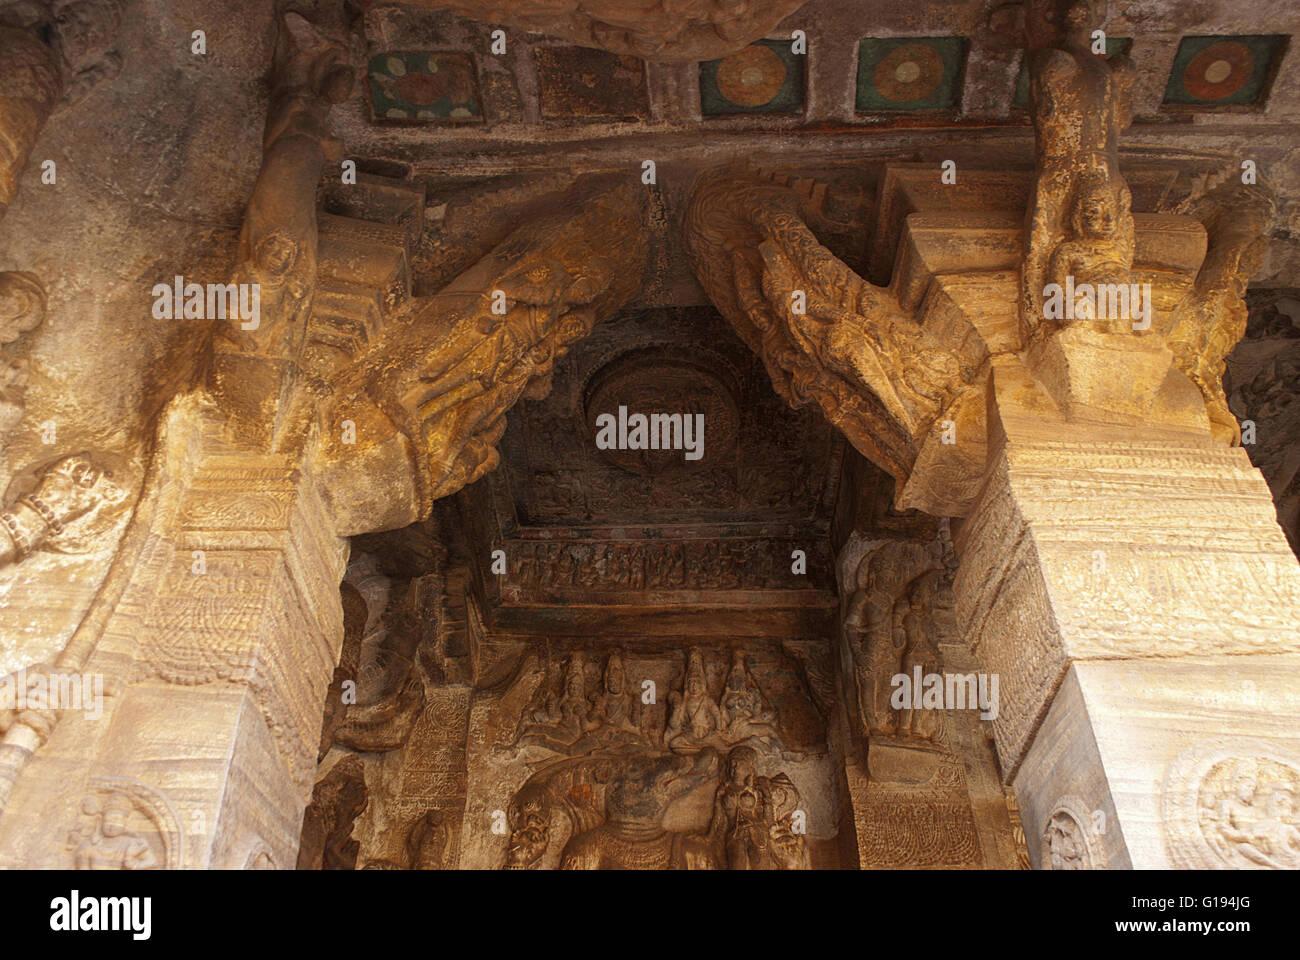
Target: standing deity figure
1079,101
740,806
754,824
111,846
920,651
694,716
877,654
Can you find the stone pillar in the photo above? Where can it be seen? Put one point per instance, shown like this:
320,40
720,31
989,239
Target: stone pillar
216,660
1133,590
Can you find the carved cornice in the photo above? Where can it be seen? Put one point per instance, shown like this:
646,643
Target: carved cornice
654,30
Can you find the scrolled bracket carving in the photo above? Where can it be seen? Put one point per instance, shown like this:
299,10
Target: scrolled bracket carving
824,334
429,399
1211,320
255,360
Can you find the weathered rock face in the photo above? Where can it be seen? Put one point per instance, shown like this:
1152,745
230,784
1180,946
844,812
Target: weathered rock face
1258,371
608,437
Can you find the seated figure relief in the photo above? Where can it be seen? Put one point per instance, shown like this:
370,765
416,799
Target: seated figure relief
588,710
697,720
745,711
108,844
558,721
1098,244
615,709
617,806
694,716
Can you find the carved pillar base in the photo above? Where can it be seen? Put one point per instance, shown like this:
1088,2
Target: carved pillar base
216,659
1142,608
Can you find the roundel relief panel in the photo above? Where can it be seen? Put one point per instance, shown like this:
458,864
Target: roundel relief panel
1232,804
1223,71
912,73
764,77
655,409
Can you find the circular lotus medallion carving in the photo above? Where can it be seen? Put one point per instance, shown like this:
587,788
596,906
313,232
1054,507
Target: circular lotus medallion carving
675,389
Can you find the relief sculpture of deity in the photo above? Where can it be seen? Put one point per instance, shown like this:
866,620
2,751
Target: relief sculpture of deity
1080,221
255,358
620,782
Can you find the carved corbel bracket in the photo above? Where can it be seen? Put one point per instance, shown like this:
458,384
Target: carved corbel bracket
1115,334
419,414
824,334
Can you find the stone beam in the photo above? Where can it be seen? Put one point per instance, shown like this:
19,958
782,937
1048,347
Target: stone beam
652,31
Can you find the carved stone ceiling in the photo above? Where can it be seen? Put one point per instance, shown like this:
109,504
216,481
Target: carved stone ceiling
647,542
764,464
883,81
